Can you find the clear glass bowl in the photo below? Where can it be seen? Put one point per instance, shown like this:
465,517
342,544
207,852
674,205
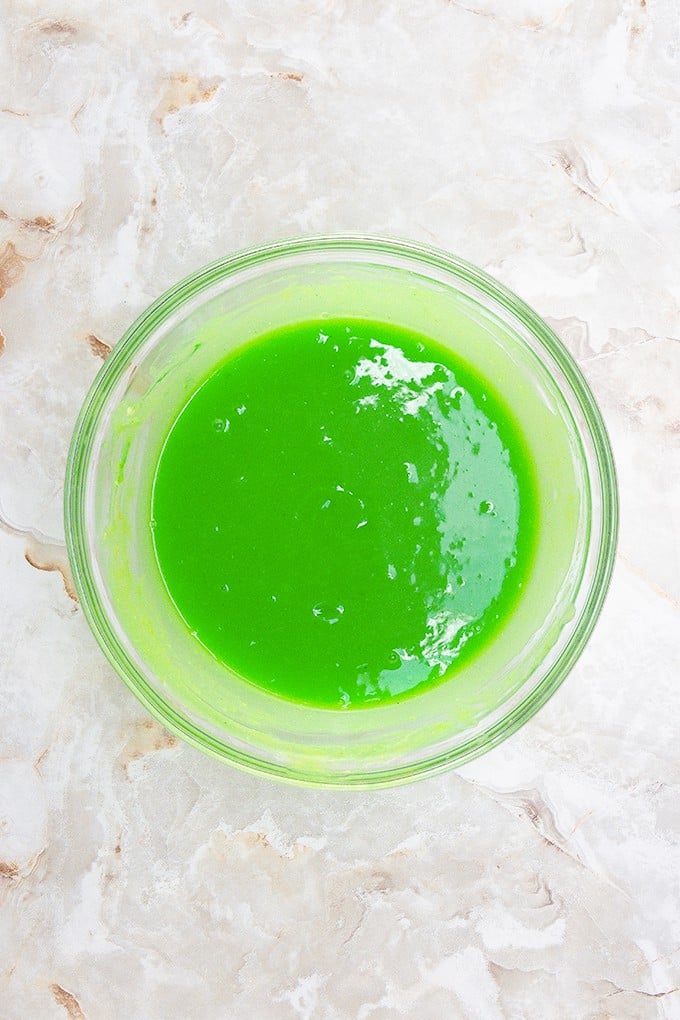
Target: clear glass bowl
155,368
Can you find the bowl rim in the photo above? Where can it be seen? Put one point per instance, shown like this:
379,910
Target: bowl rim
79,456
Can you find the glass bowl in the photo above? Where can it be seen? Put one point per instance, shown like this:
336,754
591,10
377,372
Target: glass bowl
149,376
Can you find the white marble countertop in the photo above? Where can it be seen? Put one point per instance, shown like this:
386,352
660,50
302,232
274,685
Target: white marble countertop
539,139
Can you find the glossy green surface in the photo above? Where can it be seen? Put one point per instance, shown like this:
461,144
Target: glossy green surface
343,512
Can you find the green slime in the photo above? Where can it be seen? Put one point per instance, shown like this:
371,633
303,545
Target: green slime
344,513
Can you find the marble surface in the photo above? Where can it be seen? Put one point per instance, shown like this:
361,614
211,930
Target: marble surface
539,139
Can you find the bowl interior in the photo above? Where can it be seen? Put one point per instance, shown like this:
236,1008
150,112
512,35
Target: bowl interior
148,379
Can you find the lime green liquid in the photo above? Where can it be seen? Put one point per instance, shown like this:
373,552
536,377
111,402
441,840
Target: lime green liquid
343,513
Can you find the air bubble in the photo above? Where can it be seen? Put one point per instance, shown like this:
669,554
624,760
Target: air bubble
329,612
456,397
487,508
